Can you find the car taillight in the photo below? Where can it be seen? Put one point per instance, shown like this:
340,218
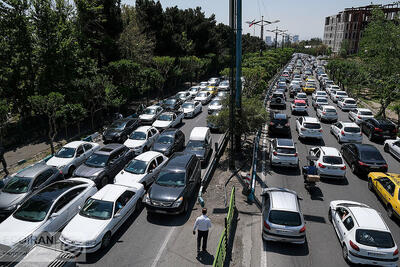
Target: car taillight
396,252
275,153
359,116
321,165
266,225
395,130
303,229
271,123
295,154
354,246
362,163
324,112
385,165
342,132
378,130
343,168
320,130
287,124
302,129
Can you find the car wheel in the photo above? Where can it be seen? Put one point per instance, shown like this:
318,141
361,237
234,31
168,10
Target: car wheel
370,136
386,148
339,140
330,215
104,181
145,149
370,185
389,211
71,171
185,210
354,168
345,253
105,242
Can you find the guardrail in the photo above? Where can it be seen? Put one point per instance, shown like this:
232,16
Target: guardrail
220,255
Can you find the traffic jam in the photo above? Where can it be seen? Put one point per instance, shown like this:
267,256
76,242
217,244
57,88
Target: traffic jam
331,157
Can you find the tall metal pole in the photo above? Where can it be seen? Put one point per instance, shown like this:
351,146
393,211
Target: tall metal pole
276,37
238,66
262,34
232,85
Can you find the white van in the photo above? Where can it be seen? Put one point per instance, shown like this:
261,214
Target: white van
200,143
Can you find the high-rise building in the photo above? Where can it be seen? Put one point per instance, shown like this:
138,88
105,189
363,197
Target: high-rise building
268,40
295,38
350,23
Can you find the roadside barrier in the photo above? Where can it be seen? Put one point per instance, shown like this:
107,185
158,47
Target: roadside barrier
220,255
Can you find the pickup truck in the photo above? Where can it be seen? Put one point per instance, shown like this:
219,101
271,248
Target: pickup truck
169,120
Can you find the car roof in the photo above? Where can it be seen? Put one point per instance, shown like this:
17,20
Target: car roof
169,132
283,199
329,106
110,192
33,170
316,92
363,109
280,116
148,155
319,98
366,147
179,160
75,144
284,142
166,113
54,190
349,124
153,107
367,218
395,177
383,121
108,149
331,151
182,92
199,133
348,98
143,128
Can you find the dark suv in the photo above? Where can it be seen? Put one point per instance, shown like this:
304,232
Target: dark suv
175,185
379,128
279,124
172,103
277,100
119,130
169,141
104,164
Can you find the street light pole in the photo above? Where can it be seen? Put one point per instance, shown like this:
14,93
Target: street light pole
238,67
261,23
232,85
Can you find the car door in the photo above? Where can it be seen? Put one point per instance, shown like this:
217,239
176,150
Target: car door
88,150
190,179
79,156
151,172
155,135
336,128
174,121
388,192
340,215
381,187
347,226
112,164
181,140
395,149
123,208
299,121
42,179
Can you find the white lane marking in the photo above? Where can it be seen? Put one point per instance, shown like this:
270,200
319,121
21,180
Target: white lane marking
162,248
263,259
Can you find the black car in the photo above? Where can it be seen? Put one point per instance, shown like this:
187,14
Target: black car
364,158
175,185
19,187
169,141
277,100
104,164
379,128
294,90
119,130
279,124
213,126
172,103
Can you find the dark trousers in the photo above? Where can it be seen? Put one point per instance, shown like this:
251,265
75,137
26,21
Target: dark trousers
3,161
202,235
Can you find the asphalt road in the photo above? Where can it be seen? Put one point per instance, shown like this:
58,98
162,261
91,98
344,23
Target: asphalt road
157,240
322,247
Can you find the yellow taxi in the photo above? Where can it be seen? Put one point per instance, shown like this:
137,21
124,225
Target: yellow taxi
386,186
212,89
309,88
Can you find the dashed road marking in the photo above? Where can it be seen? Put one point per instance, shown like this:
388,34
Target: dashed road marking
162,248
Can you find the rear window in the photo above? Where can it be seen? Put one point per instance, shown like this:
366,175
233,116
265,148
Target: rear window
300,104
341,93
371,155
312,125
330,110
351,129
374,238
322,100
350,102
285,150
366,113
332,160
287,218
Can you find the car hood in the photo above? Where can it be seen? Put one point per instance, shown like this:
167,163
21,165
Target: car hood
87,171
134,143
200,98
82,229
13,230
7,199
165,193
111,132
188,110
161,147
215,107
162,124
146,117
58,162
127,178
199,153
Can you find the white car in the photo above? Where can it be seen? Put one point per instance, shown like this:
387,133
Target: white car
299,106
142,139
191,108
393,147
223,86
301,96
183,95
142,169
338,95
203,85
213,81
347,104
359,115
215,105
101,216
203,97
72,155
329,162
327,113
221,95
332,88
346,132
194,90
319,101
283,153
363,234
319,94
308,127
150,114
46,212
169,120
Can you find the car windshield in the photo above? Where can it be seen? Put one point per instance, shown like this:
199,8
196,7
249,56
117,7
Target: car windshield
17,185
188,105
287,218
118,125
171,178
195,145
300,104
332,160
97,209
165,117
351,102
224,83
170,101
34,209
322,100
366,113
312,125
277,95
138,136
301,96
285,150
97,160
215,103
352,129
65,152
164,139
136,167
181,95
371,155
149,111
374,238
330,110
202,95
195,89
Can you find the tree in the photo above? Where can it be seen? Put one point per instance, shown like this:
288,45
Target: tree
255,81
396,108
4,110
50,106
73,114
344,48
165,66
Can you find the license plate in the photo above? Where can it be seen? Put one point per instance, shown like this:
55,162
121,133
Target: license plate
279,126
331,168
386,132
374,254
374,167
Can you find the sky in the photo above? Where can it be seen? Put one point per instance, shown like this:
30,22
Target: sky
305,18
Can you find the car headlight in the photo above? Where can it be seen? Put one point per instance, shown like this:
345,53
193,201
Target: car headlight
146,199
177,202
91,243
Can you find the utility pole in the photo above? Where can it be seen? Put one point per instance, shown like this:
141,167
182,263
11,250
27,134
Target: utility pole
232,20
277,31
283,37
261,23
238,67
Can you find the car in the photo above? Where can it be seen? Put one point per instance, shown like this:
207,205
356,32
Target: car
332,89
319,101
214,81
118,131
223,86
142,169
363,234
45,213
326,83
282,85
328,161
309,88
200,143
191,108
282,218
346,132
298,106
221,95
169,120
214,127
379,129
194,90
214,105
142,139
327,113
213,90
203,97
183,95
279,124
387,187
360,114
347,104
301,96
175,185
172,103
337,95
18,187
319,94
102,166
294,90
392,147
203,85
363,158
150,114
277,100
72,155
100,217
283,153
169,141
308,127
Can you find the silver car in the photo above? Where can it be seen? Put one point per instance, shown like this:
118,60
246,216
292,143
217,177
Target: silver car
283,153
327,113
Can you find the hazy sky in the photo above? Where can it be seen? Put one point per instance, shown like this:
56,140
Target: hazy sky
305,18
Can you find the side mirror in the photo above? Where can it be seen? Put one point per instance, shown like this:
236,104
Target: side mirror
150,171
116,215
79,207
54,215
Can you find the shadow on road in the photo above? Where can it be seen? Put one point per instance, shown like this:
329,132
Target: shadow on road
314,218
287,248
312,142
205,258
340,181
286,171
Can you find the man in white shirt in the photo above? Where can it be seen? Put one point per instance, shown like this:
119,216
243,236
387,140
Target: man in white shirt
202,224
